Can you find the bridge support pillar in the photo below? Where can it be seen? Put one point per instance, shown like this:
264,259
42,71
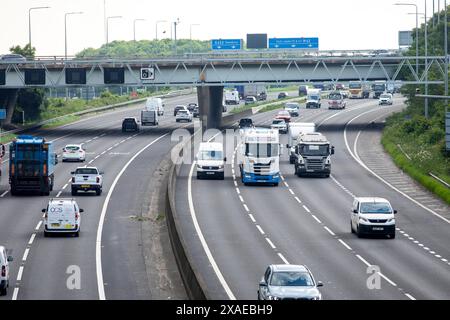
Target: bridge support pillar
210,106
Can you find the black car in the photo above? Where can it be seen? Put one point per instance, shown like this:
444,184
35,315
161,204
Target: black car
196,112
178,108
130,124
191,106
224,108
246,123
283,95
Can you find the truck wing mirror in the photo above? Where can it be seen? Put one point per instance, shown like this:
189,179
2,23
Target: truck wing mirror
73,172
395,211
225,159
288,146
101,173
332,150
10,258
81,210
43,210
355,211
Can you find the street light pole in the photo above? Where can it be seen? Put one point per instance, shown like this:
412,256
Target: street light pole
107,26
426,61
65,31
175,24
446,55
134,27
417,32
29,22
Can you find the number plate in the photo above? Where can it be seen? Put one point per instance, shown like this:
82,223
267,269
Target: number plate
55,225
85,186
210,173
378,229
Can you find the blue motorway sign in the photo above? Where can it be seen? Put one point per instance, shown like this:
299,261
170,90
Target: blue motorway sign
294,43
226,44
2,114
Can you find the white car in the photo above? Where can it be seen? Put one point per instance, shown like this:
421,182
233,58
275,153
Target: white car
4,271
62,216
385,98
280,125
210,160
74,152
87,179
183,115
372,216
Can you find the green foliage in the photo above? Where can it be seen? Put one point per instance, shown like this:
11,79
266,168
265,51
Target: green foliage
32,102
26,51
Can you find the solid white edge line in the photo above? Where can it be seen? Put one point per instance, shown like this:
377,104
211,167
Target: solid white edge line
33,236
410,296
25,254
271,243
345,245
15,293
202,238
98,249
283,258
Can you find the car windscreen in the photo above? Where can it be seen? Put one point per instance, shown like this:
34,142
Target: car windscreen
128,121
72,148
292,106
86,171
182,112
378,208
261,150
210,155
385,96
314,150
354,86
335,96
278,122
291,279
314,97
246,123
283,114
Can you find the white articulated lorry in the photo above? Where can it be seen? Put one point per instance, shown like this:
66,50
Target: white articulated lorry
259,158
295,130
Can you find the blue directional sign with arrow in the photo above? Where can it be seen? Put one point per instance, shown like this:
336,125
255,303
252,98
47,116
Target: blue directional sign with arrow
226,44
294,43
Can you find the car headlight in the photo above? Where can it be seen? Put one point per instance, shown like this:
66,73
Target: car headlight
363,219
301,160
199,167
391,220
221,167
271,297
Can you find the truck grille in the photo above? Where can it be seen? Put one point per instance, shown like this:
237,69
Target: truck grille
314,164
261,169
378,220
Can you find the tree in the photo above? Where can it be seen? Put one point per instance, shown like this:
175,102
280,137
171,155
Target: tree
26,51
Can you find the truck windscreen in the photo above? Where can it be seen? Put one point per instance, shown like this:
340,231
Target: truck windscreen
261,150
210,155
354,86
315,150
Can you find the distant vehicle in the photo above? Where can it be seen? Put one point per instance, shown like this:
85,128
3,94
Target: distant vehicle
340,86
372,216
293,108
32,164
246,123
232,97
313,155
313,99
379,87
211,160
358,90
336,100
319,86
250,100
196,112
191,106
390,87
224,108
302,91
5,259
178,108
74,152
62,216
328,87
13,57
296,129
183,115
280,125
386,99
284,115
258,91
283,95
289,282
345,93
130,124
87,179
2,154
259,160
155,104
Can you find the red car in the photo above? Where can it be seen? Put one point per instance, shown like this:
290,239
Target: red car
285,115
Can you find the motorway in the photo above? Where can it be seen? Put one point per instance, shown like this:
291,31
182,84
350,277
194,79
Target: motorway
110,252
307,221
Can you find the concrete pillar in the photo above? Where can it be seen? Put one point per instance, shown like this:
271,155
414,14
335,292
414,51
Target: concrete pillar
8,99
210,106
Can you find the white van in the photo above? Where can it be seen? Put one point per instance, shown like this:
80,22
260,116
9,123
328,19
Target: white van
155,104
211,160
4,271
62,216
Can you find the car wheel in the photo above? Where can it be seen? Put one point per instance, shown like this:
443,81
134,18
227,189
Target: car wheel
3,292
74,192
46,234
199,176
276,184
77,234
358,232
392,235
351,227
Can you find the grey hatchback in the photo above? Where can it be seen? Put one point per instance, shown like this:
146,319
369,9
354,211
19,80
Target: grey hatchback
289,282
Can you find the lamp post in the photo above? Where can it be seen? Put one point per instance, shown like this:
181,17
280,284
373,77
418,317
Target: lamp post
29,22
426,61
175,24
134,27
157,22
65,31
107,26
417,32
446,54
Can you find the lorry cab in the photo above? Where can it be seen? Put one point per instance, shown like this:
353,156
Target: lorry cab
211,160
62,216
313,99
313,155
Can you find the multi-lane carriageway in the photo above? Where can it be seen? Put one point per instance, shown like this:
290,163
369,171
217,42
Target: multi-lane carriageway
244,228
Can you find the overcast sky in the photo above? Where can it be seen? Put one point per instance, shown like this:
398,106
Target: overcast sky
343,24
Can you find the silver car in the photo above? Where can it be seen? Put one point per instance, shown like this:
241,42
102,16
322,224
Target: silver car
289,282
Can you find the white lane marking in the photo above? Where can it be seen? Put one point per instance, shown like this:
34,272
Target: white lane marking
381,275
329,231
260,229
20,273
271,243
345,245
317,219
59,194
283,258
298,200
286,184
307,209
15,293
252,218
292,192
238,191
246,208
410,296
235,183
362,164
33,236
4,193
38,225
25,254
65,186
90,140
242,199
98,248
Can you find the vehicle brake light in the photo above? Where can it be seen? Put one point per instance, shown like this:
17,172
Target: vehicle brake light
12,169
45,169
77,215
3,271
